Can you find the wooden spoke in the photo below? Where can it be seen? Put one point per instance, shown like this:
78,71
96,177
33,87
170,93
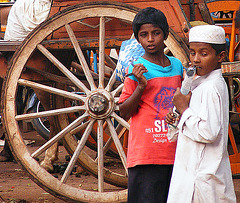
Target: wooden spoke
117,108
116,99
111,81
52,90
78,150
80,57
110,62
50,113
50,76
57,137
117,144
117,90
110,140
63,69
100,155
121,120
79,128
101,52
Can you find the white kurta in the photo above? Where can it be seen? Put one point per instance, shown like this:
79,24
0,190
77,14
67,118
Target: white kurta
202,170
24,16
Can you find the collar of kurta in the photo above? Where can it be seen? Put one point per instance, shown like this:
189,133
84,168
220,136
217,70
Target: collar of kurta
200,79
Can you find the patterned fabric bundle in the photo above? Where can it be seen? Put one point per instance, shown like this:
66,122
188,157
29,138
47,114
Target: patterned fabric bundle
130,51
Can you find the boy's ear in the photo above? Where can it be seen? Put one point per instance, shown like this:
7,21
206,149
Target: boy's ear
222,56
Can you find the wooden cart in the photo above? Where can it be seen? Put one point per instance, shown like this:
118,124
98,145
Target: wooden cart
55,58
224,15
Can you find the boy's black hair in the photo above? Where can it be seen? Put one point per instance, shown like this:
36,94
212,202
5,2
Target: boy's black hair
219,48
150,15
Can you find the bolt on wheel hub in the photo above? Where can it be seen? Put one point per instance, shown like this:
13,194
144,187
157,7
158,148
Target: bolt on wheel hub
100,104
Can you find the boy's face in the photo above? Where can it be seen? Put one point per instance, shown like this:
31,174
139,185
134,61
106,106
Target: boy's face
151,37
204,57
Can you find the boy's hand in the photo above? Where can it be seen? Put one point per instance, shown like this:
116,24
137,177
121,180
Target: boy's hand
181,101
170,118
138,71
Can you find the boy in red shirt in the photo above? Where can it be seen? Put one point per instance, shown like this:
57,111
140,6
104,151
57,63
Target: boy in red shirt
146,98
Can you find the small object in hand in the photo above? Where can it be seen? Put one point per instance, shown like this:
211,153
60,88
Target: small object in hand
129,74
131,61
132,64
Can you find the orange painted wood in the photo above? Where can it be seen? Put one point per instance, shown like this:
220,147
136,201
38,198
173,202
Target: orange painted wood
223,6
232,139
172,9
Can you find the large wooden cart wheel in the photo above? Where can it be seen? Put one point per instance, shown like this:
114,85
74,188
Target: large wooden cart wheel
96,105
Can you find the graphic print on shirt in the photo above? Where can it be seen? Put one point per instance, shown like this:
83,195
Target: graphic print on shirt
162,101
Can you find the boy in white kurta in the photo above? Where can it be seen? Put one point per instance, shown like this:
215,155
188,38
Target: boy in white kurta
202,170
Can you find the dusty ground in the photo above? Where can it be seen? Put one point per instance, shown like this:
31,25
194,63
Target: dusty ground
16,186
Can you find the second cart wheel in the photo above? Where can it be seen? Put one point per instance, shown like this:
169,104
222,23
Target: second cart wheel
97,105
41,125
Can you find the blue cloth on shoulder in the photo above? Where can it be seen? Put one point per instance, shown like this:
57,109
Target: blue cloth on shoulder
130,51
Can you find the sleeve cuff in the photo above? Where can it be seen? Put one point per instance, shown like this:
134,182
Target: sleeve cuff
186,114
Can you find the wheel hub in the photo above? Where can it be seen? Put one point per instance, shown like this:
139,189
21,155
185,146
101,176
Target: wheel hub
100,104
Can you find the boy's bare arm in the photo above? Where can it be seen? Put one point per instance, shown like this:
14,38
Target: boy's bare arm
130,106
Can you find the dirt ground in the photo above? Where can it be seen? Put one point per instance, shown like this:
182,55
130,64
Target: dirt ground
17,187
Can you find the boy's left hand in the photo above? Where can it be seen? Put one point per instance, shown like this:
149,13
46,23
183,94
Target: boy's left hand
170,118
181,101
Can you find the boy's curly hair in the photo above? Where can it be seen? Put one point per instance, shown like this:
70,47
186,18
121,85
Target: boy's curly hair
153,16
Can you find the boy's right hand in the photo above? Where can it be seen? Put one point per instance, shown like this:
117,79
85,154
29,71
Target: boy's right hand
138,70
170,118
181,101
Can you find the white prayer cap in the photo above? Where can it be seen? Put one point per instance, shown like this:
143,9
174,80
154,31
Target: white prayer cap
208,34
